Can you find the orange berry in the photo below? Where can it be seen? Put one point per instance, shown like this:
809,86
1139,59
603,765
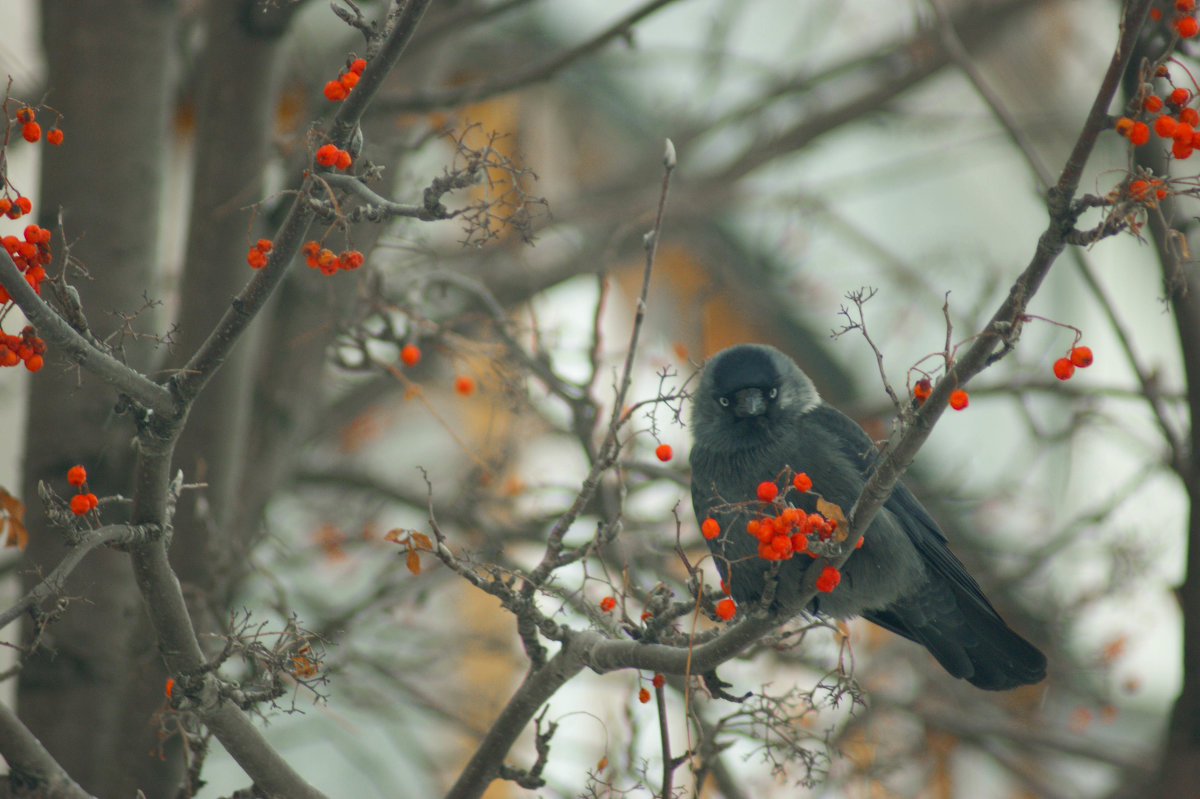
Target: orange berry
958,399
710,528
77,476
335,91
1137,189
663,452
802,482
1139,134
1190,116
80,504
659,681
31,131
1182,149
358,65
1152,104
327,261
348,80
410,354
1165,125
23,204
464,384
644,696
263,245
922,389
342,160
350,259
1156,15
767,491
92,500
828,580
1122,125
34,363
1183,133
607,604
25,115
1063,368
725,609
327,155
1187,27
170,686
256,258
1178,97
54,136
1185,6
1081,356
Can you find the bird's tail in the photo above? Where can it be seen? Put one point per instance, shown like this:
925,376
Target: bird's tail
966,635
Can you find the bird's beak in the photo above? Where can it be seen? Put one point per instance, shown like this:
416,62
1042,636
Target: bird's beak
749,402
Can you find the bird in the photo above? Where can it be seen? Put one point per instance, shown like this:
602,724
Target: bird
755,418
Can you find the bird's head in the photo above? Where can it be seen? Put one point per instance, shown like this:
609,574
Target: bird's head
750,386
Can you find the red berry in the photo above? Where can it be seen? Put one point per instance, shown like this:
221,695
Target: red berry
802,482
1165,125
644,696
1187,27
659,681
80,504
349,80
767,491
335,91
1063,368
342,160
327,155
358,65
256,258
54,136
1152,104
410,354
828,580
922,389
1139,134
77,475
263,245
710,528
607,604
464,385
663,452
959,399
25,115
31,131
1081,356
725,609
1178,97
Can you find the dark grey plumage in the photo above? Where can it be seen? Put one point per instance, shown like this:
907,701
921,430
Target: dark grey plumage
755,413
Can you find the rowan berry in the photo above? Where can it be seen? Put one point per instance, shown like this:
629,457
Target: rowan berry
335,91
1190,115
802,482
342,160
256,258
726,608
25,114
263,245
607,604
410,354
922,389
710,528
1138,188
767,491
1178,97
1187,27
828,580
1139,134
1081,356
1183,133
1165,125
34,363
350,259
24,204
348,80
1123,125
358,65
31,132
643,695
1063,368
659,681
1182,149
8,356
80,504
1185,6
1153,104
464,384
663,452
77,476
327,155
959,399
327,262
54,136
5,205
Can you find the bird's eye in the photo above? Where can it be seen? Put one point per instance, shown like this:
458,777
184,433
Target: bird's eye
773,393
724,401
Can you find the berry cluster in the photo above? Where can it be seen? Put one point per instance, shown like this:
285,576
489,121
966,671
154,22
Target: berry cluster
318,257
31,255
787,532
1182,22
15,208
31,130
257,257
84,501
330,155
1080,357
347,79
26,348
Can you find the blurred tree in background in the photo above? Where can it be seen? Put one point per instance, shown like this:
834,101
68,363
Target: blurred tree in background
382,504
